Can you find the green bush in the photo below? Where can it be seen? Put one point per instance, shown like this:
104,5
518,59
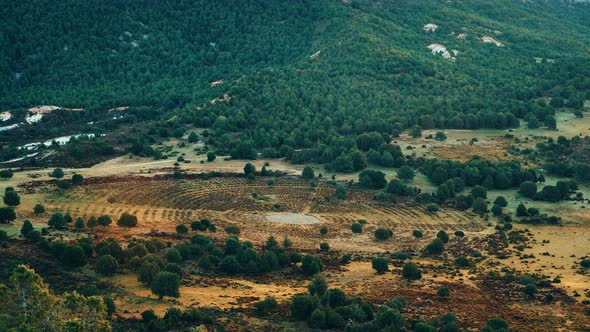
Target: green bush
181,229
266,305
104,220
318,285
230,265
443,292
311,265
432,208
308,173
38,209
74,256
107,265
7,215
127,220
443,236
356,228
6,173
11,198
380,264
411,272
173,256
435,247
26,228
302,307
57,220
530,290
166,284
382,234
57,173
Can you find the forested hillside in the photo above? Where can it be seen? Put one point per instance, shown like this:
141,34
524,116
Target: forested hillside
296,79
105,53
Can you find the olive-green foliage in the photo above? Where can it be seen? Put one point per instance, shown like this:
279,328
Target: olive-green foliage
380,264
11,198
435,247
311,265
356,228
318,285
104,220
107,265
57,220
26,228
382,234
127,220
307,173
38,209
411,272
166,284
266,305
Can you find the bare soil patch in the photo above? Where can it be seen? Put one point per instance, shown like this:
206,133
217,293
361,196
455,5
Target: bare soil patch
292,218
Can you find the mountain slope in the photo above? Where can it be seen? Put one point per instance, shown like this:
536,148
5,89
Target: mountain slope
298,80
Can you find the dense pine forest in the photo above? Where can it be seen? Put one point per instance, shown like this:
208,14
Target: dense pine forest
299,80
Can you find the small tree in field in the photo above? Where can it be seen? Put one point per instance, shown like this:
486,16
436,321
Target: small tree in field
311,265
416,131
501,201
308,173
57,220
7,215
530,290
77,179
166,284
107,265
127,220
382,234
521,211
496,210
443,292
435,247
380,264
11,198
26,228
356,228
528,188
432,208
318,285
57,173
411,272
181,229
38,209
92,222
249,169
443,236
340,192
480,205
440,136
104,220
79,224
406,173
